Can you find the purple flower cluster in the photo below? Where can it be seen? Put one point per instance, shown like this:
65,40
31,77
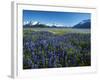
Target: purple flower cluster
44,49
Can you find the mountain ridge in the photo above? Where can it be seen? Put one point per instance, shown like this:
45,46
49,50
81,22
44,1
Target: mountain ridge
82,24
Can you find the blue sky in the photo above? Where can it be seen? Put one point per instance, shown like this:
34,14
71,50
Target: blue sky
59,18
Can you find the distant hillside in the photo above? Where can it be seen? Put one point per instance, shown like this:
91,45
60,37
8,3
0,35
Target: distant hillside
83,24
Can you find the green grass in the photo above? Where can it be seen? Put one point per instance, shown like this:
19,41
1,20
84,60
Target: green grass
57,31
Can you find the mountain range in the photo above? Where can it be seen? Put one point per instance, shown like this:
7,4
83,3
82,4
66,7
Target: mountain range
36,24
83,24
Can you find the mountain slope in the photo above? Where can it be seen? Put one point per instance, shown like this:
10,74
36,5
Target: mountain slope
83,24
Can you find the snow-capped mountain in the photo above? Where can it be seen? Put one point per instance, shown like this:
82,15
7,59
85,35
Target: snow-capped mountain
34,23
38,24
31,22
84,21
26,22
83,24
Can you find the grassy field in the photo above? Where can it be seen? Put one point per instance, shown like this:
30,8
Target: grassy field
59,31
